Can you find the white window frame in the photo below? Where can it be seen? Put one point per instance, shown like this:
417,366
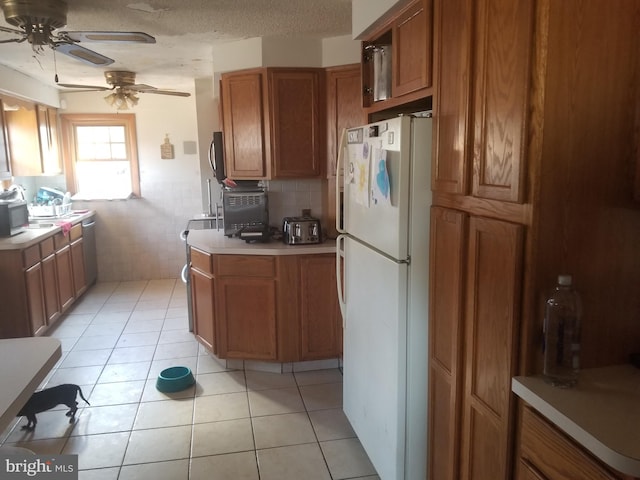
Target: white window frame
69,122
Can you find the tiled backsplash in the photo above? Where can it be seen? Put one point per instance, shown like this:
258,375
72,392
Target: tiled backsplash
139,239
287,198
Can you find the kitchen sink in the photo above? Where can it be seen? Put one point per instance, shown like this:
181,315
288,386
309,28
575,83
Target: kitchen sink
41,224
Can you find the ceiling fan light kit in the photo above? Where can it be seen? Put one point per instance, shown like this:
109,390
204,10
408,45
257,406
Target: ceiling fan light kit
122,99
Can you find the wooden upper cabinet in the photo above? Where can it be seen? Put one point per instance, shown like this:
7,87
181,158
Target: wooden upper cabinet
412,48
48,136
451,99
503,53
32,132
295,122
24,147
243,120
407,38
344,108
5,165
272,123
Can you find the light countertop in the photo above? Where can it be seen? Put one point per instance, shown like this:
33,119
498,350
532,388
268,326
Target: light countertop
31,236
215,242
24,363
602,413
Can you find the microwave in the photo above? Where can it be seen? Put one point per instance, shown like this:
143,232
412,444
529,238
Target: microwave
14,217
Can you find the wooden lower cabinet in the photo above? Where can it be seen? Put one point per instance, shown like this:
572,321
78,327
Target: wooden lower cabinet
51,295
66,292
548,454
77,262
476,273
247,318
35,294
40,282
270,308
320,320
202,294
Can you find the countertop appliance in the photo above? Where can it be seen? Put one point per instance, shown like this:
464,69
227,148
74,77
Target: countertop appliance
301,230
244,208
14,216
385,248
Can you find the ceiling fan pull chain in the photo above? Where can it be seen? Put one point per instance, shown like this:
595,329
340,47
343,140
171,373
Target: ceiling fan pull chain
55,66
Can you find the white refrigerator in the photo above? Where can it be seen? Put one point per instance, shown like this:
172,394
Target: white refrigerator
383,248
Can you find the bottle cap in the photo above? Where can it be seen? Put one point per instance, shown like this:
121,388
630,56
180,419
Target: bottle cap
565,280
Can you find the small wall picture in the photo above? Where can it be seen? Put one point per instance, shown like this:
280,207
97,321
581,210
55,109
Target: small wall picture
166,149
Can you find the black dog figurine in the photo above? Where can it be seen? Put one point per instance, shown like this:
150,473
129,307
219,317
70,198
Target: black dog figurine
47,399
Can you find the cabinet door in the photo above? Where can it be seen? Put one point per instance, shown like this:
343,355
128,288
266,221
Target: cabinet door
24,147
203,301
77,261
50,281
65,277
245,140
448,241
48,135
503,55
295,123
246,313
492,310
451,100
35,298
412,48
321,325
344,108
5,166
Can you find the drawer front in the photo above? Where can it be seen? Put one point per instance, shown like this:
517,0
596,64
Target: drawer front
60,240
76,232
31,256
46,247
201,260
554,455
245,266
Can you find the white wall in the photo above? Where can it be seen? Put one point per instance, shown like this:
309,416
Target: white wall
367,15
139,238
19,85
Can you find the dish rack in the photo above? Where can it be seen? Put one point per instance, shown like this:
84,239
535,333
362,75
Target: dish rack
49,210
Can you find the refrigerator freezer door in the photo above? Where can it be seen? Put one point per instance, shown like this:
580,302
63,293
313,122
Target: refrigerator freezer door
374,355
378,181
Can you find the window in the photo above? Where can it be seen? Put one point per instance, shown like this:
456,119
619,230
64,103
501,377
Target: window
101,155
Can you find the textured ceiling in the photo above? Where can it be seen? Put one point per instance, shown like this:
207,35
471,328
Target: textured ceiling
185,31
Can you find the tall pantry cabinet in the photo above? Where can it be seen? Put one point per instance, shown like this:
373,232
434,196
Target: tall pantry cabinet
535,127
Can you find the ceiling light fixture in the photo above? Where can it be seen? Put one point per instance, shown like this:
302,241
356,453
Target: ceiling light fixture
122,99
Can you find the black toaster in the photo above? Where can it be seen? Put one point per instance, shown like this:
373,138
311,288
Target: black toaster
301,230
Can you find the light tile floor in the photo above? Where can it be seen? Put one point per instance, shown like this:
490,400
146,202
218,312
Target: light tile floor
231,425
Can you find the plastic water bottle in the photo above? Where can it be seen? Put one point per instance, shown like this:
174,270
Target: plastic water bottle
562,322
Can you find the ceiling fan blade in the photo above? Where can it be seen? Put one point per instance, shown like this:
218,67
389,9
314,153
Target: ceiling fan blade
14,40
83,54
11,30
121,37
141,87
166,92
83,87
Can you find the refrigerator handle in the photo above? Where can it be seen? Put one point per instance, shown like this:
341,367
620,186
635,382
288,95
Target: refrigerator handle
340,181
340,253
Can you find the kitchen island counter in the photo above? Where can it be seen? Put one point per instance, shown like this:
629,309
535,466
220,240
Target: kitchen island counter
601,413
215,242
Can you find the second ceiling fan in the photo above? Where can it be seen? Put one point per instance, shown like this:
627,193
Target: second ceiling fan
124,88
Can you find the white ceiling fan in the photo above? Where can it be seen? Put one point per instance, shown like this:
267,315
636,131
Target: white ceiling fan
124,88
38,20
